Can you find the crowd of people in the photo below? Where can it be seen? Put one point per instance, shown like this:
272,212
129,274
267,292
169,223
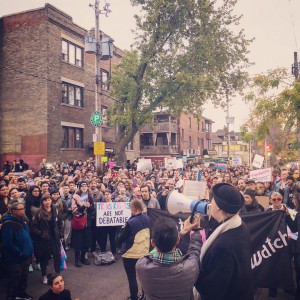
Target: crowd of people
56,206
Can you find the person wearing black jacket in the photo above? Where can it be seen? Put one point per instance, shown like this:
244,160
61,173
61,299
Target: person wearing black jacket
57,289
225,256
47,232
33,201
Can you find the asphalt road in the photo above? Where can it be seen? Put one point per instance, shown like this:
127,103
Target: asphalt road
99,282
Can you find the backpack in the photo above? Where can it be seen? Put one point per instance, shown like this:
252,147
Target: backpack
106,258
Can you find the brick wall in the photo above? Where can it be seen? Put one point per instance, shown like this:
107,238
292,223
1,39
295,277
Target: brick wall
23,85
30,106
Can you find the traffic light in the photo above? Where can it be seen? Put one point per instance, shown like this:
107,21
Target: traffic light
268,148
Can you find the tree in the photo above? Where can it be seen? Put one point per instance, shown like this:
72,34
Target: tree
275,111
186,53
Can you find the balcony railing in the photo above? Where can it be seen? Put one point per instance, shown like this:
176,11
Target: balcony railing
158,150
160,127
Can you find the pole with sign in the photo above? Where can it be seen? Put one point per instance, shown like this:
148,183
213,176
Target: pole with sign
96,121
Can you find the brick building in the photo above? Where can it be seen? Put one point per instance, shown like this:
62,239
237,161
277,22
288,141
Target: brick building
168,135
47,88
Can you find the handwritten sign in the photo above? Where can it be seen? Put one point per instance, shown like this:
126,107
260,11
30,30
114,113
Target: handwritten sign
112,213
170,163
261,175
258,161
144,165
194,189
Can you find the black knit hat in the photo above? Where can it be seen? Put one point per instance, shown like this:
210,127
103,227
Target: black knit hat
228,198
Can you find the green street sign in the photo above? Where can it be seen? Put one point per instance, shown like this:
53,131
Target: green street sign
96,118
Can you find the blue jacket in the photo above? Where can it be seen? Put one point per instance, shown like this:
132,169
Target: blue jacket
135,237
16,241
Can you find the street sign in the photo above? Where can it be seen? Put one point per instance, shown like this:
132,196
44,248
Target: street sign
96,118
99,148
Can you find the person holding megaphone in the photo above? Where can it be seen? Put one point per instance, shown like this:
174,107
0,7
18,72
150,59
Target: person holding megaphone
225,258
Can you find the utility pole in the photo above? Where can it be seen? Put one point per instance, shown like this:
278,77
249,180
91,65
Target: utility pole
228,131
98,79
295,72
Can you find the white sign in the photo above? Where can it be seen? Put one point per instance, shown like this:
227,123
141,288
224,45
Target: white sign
112,213
194,189
179,163
236,161
144,165
262,175
258,161
170,163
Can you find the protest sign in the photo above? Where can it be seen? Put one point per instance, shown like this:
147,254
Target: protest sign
292,235
194,189
263,201
179,163
170,163
262,175
144,165
112,213
258,161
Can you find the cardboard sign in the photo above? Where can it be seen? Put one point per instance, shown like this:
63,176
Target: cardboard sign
263,201
179,163
195,189
112,213
144,165
258,161
170,163
262,175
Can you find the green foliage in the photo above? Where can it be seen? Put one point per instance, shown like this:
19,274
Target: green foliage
185,55
275,109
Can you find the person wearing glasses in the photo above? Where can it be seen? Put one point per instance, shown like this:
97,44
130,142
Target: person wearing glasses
276,202
17,251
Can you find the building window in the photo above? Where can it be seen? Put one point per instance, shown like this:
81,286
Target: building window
198,126
208,144
104,80
104,115
190,142
72,137
190,123
199,141
72,94
72,53
203,127
182,134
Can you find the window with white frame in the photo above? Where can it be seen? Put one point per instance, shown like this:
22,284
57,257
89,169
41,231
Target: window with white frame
72,53
104,80
104,115
72,137
72,94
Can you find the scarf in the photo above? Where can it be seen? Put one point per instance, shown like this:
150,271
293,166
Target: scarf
233,222
166,258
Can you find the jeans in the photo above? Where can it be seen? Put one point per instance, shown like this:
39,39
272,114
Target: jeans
129,266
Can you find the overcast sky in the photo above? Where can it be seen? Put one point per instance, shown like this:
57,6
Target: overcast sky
270,22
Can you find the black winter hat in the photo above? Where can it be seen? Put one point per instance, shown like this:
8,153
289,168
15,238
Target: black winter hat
228,198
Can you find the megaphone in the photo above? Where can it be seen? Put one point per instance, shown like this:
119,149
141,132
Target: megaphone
177,202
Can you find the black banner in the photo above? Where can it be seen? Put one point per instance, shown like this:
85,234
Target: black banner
270,260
